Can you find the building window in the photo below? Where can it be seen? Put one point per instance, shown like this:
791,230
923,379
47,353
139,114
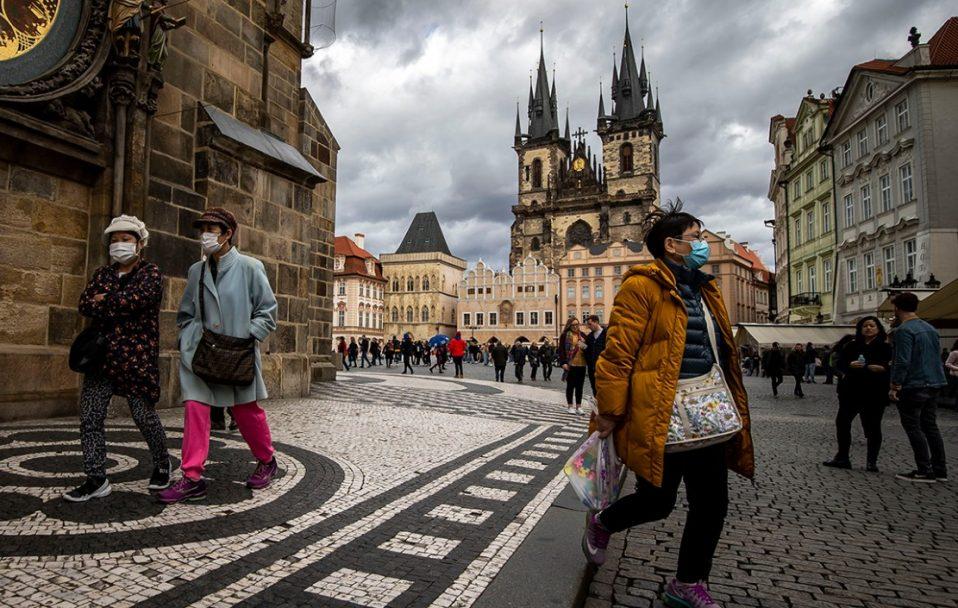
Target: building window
812,279
797,189
797,221
846,154
626,218
904,175
617,270
479,319
826,217
585,272
888,261
901,111
585,291
715,269
535,246
884,187
799,282
520,318
810,224
849,210
570,272
807,138
547,315
625,158
466,319
409,314
341,318
852,266
537,173
533,318
869,262
341,288
823,170
809,181
395,284
424,315
570,292
881,130
862,143
599,290
866,192
425,283
911,257
598,271
493,318
827,273
410,284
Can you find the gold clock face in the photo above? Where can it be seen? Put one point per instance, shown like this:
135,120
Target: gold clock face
24,24
578,164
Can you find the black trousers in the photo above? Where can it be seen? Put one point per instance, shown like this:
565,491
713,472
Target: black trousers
547,370
918,412
706,487
406,364
458,363
519,372
574,381
798,385
532,370
777,380
365,360
345,362
591,369
500,373
870,414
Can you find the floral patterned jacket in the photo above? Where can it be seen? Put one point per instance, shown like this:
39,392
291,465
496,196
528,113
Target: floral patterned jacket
129,315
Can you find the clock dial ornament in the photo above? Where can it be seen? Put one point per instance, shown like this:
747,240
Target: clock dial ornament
578,164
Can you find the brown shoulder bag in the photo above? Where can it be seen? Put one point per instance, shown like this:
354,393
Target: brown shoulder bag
223,359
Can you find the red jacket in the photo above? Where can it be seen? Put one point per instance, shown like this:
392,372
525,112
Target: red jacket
457,347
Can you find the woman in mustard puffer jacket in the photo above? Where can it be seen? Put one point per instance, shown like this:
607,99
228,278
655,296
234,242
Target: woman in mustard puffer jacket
656,336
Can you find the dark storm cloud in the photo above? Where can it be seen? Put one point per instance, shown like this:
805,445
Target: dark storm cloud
421,96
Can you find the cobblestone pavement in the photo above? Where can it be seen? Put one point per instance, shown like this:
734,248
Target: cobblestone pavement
415,491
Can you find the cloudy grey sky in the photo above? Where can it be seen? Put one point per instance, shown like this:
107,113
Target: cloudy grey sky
421,95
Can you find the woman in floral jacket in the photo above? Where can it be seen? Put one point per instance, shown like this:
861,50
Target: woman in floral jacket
123,300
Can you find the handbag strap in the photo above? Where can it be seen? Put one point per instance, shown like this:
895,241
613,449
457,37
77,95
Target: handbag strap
202,299
709,326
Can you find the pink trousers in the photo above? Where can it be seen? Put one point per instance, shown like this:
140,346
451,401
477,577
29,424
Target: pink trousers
251,420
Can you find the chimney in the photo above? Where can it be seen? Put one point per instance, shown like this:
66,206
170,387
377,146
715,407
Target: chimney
360,240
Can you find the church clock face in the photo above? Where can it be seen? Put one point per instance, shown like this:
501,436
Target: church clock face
578,164
24,24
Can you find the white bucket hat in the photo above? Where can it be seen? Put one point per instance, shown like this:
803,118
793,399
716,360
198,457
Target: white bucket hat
127,223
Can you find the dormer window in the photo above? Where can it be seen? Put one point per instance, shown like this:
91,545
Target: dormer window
370,267
339,263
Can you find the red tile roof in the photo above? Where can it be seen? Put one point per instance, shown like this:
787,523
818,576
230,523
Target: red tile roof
756,261
882,65
944,44
355,259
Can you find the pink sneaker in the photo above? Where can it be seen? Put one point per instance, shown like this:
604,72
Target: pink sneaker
184,489
688,595
595,540
263,475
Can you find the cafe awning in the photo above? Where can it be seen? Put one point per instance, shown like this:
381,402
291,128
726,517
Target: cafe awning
761,335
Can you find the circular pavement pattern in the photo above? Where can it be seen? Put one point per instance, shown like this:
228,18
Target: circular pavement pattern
38,463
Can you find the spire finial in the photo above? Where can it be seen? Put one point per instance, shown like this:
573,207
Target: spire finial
626,14
541,39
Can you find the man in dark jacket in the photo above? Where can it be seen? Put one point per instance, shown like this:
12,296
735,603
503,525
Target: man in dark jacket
364,350
796,367
519,356
774,366
595,340
407,349
500,356
547,354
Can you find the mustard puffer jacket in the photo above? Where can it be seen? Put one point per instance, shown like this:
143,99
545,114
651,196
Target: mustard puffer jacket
638,372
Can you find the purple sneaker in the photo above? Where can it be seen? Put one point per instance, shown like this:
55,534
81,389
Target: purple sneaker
263,475
688,595
595,540
184,489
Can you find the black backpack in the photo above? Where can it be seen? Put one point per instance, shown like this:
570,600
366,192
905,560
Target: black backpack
88,351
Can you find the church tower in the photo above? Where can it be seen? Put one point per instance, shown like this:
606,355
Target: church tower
632,131
541,152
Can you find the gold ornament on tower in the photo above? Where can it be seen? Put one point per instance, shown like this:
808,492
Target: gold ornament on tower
24,24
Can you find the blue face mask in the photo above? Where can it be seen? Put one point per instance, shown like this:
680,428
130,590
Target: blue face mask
698,256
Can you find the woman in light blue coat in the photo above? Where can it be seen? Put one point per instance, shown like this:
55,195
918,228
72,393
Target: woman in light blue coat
238,302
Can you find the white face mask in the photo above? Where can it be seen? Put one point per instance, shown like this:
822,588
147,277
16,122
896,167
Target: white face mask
210,242
123,253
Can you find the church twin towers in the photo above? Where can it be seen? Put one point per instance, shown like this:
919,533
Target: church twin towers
567,195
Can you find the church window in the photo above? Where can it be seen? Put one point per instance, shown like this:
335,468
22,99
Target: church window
527,172
625,158
395,315
627,218
409,284
537,173
535,243
409,314
425,283
425,314
395,284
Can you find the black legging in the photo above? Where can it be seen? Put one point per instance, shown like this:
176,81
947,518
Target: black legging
706,488
406,364
457,361
870,411
574,381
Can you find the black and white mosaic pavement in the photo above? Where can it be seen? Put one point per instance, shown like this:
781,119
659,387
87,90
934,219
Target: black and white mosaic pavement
394,492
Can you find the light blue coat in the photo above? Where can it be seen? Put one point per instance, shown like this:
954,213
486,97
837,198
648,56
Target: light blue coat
240,303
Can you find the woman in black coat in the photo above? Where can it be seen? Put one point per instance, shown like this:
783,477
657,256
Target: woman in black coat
864,364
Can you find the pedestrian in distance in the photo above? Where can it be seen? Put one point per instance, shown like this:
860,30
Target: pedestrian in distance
353,350
811,363
795,362
457,350
520,355
342,349
533,360
547,354
595,341
408,350
916,379
227,296
375,352
388,352
654,340
864,364
499,356
572,346
364,351
775,367
123,301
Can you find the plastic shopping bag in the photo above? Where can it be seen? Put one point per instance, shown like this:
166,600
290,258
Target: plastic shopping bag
595,472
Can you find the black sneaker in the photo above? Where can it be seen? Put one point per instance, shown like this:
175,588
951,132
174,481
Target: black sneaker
941,476
233,426
871,467
160,479
837,463
917,476
91,488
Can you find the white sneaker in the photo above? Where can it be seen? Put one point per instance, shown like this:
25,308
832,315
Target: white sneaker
578,411
571,410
